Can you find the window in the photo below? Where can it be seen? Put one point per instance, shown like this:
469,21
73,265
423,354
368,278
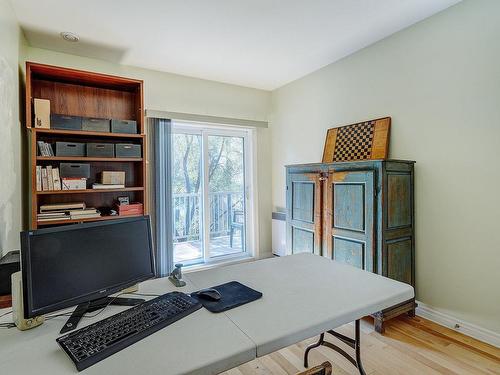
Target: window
211,193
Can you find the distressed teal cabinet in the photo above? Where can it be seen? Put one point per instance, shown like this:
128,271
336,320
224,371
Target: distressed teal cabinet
360,213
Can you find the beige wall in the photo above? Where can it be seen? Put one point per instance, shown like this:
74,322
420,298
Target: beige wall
10,131
174,93
440,82
171,92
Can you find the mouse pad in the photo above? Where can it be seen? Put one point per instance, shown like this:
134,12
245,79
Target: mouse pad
233,294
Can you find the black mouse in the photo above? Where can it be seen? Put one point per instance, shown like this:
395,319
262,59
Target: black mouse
208,294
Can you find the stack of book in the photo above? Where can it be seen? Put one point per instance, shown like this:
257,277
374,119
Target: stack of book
88,213
52,216
47,179
45,149
107,186
67,211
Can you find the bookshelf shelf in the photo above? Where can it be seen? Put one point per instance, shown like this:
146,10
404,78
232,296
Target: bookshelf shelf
102,218
85,159
86,94
89,191
81,133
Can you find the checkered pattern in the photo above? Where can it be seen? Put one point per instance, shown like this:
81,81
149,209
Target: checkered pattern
354,142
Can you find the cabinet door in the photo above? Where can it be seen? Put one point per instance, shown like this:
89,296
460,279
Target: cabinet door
349,218
304,213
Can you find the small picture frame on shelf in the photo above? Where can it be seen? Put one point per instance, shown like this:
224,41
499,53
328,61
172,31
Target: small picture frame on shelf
123,201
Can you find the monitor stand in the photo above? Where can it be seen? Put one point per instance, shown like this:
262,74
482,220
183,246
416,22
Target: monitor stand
95,305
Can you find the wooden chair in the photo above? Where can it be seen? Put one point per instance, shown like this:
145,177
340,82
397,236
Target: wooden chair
324,369
238,223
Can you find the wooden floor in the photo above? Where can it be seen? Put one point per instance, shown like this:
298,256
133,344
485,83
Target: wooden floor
409,346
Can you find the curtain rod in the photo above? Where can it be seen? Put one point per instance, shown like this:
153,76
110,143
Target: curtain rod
205,118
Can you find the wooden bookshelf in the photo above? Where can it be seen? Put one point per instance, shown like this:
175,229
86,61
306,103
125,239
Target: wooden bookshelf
89,191
70,221
87,94
81,133
84,159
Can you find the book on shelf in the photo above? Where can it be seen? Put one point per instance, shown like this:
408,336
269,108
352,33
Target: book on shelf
88,216
62,207
86,211
56,178
53,214
46,216
54,218
74,212
44,149
59,216
41,148
38,178
90,213
107,186
82,213
45,181
50,178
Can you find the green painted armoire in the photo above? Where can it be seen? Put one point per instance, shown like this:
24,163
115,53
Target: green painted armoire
360,213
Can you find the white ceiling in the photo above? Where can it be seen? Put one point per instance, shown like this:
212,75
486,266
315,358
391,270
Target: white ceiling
256,43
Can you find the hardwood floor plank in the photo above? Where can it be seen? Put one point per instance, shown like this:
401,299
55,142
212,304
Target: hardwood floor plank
410,346
454,336
471,361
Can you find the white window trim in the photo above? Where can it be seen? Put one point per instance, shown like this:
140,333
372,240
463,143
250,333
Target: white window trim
251,193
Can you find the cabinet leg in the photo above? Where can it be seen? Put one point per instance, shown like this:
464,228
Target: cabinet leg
379,325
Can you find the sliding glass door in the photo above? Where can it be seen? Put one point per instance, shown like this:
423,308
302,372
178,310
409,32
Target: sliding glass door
209,185
187,197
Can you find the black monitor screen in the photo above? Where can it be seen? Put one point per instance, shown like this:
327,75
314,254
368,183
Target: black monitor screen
65,266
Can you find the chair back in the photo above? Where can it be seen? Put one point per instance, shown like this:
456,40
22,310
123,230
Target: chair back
238,216
324,369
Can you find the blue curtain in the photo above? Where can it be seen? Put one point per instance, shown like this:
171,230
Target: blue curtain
160,133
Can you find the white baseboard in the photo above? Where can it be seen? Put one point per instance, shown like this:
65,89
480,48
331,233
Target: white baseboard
472,330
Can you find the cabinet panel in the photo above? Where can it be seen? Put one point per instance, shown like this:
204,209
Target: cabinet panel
349,218
349,252
399,202
303,201
349,207
302,241
399,260
304,213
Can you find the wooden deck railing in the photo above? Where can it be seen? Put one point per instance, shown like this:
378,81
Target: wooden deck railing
187,210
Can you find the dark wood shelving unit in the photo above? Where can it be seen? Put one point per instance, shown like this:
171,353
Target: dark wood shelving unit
85,133
88,94
89,191
70,221
84,159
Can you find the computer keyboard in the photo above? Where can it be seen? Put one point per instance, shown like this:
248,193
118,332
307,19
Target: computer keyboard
97,341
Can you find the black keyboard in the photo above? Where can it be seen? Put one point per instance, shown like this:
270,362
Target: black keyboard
97,341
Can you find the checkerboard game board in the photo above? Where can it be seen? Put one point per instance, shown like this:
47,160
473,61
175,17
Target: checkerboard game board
354,142
361,141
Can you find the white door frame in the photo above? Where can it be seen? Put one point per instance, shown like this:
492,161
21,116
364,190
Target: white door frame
248,135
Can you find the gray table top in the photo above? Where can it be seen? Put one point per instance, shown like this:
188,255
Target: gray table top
303,295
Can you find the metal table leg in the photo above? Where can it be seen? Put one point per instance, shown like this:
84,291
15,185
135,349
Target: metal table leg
353,343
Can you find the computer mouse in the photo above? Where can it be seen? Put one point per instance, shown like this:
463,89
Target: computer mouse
209,294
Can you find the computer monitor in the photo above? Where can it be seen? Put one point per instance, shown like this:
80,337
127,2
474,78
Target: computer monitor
69,265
